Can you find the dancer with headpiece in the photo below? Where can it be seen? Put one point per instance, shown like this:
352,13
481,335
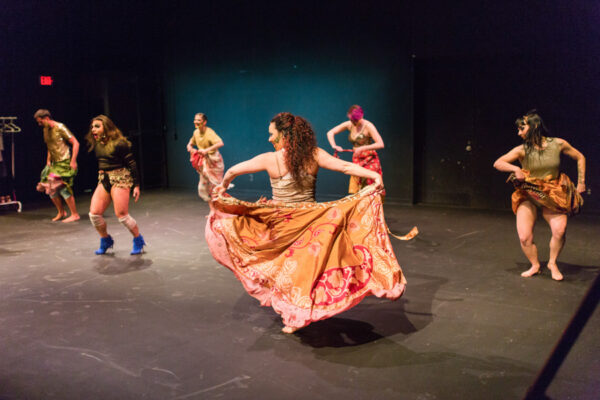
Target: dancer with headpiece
117,174
539,185
57,177
365,140
205,157
307,260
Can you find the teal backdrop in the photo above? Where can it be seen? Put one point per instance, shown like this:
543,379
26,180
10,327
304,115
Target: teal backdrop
240,98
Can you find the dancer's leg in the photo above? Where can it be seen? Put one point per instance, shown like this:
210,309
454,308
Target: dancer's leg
59,207
70,200
526,216
120,198
121,202
99,204
288,329
203,188
558,226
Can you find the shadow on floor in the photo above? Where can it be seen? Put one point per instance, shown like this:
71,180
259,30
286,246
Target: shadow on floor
110,264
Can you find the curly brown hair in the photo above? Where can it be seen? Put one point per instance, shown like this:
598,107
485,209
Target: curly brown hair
300,144
111,131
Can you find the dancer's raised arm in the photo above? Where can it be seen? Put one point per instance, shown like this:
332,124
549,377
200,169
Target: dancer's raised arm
505,162
256,164
334,131
326,160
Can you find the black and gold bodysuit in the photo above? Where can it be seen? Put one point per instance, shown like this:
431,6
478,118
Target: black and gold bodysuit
116,165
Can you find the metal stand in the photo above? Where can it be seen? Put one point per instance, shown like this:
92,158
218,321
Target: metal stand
7,125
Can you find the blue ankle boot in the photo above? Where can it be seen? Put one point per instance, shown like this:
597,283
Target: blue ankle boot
138,245
105,244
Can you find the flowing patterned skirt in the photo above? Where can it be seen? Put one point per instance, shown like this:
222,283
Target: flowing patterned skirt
210,167
56,176
558,195
369,160
309,261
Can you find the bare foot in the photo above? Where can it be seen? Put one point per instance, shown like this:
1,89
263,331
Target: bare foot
60,216
288,329
556,275
73,217
534,270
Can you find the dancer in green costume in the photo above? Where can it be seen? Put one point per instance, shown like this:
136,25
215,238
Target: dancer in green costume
61,165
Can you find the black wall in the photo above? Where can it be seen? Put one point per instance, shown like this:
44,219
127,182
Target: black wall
465,113
479,66
100,60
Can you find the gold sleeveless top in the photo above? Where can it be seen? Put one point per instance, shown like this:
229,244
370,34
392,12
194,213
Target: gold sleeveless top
361,139
286,189
541,163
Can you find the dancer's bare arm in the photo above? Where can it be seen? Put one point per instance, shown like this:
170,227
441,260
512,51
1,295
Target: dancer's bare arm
334,131
505,162
75,151
575,154
256,164
377,140
190,146
326,160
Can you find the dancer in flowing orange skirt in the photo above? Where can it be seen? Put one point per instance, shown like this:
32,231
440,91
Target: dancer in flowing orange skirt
307,260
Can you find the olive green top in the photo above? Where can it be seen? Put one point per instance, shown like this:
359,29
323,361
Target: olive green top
544,162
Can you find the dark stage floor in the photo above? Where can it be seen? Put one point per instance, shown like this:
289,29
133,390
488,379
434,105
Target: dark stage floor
174,324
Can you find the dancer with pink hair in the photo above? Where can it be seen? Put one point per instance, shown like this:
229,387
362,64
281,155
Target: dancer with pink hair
365,141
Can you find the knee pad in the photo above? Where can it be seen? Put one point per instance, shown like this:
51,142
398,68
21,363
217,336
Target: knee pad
128,222
97,220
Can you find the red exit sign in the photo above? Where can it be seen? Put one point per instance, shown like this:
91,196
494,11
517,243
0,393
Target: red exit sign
45,80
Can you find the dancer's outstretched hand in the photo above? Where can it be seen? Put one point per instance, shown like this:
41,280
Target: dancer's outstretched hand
218,190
